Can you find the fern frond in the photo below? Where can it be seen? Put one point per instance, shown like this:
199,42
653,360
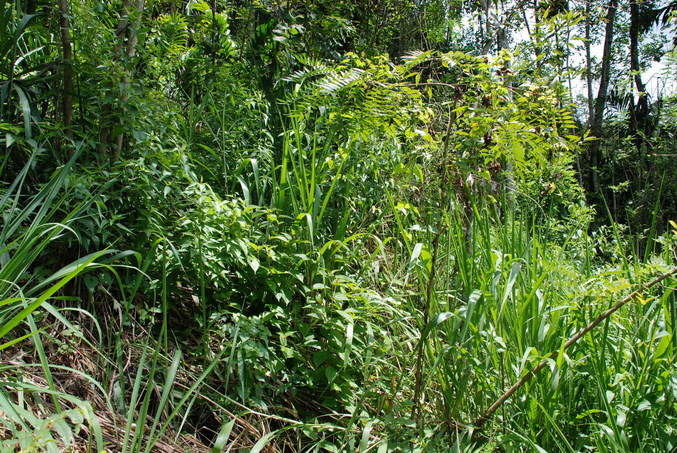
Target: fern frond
336,82
172,34
313,69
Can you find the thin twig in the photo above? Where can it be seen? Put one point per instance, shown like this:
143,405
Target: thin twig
415,410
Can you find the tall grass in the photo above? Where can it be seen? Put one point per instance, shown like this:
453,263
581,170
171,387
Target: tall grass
506,296
32,222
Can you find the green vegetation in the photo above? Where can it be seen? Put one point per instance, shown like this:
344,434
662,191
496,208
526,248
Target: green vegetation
314,226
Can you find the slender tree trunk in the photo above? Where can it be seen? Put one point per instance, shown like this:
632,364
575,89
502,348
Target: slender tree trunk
641,109
486,11
640,123
67,70
588,79
588,62
125,50
130,52
600,101
538,49
106,118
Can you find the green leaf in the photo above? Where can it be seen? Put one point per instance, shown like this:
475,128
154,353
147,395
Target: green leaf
415,253
253,263
330,373
320,357
74,269
364,442
26,108
644,405
224,435
663,345
439,319
262,442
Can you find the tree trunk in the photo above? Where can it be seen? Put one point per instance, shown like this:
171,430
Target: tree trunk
538,49
588,80
130,52
125,50
106,119
597,115
588,63
640,111
67,70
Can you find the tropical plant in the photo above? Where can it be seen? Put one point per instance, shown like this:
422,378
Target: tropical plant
32,225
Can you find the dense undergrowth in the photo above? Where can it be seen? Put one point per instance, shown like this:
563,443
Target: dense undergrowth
365,264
